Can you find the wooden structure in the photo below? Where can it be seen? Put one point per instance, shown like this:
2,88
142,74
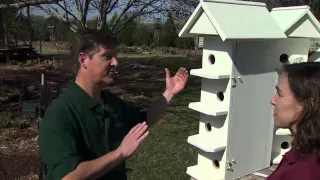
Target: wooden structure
36,109
242,53
10,48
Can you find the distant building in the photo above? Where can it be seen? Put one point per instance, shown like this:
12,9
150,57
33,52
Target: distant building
199,42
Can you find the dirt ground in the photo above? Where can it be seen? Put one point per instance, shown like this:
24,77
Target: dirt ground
18,154
19,157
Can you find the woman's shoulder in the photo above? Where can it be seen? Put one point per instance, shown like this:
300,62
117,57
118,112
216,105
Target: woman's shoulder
303,167
308,170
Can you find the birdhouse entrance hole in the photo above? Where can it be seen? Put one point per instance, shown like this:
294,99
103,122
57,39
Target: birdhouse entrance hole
212,59
284,58
220,96
216,164
208,127
285,145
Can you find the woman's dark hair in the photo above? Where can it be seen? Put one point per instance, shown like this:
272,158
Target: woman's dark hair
304,82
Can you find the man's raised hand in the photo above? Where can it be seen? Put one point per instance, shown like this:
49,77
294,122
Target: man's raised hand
133,140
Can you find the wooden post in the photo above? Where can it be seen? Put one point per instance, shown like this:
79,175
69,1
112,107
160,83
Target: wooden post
29,27
5,33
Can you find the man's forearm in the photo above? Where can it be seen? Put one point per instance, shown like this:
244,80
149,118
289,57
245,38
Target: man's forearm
96,168
158,107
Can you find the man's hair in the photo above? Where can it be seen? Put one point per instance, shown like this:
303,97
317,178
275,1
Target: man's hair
88,42
304,82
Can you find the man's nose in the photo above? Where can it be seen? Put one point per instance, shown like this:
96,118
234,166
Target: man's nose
114,62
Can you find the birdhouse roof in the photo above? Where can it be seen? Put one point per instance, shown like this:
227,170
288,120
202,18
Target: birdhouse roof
297,21
232,19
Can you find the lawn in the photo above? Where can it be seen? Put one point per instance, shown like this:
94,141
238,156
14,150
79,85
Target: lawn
164,155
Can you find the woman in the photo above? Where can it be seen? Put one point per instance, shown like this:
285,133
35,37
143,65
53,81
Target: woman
297,107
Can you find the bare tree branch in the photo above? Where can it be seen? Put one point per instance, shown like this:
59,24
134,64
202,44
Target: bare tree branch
113,6
127,7
72,27
22,4
120,26
102,13
83,6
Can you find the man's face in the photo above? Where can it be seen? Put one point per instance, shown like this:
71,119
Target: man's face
101,67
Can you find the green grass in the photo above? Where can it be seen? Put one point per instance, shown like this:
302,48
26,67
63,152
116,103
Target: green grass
49,48
165,155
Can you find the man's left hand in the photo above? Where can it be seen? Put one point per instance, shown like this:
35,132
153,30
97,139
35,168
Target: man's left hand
175,84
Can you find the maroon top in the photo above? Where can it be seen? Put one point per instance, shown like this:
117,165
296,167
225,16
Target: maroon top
293,167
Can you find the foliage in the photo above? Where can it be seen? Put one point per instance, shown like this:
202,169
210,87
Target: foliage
167,50
170,34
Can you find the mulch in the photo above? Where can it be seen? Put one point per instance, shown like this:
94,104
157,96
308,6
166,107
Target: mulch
19,158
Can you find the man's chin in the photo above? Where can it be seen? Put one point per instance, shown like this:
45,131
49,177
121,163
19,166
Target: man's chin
107,82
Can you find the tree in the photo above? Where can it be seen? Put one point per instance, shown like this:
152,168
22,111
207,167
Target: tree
182,9
169,33
143,34
18,4
131,9
127,35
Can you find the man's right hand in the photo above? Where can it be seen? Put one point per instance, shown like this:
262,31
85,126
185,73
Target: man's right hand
98,167
133,140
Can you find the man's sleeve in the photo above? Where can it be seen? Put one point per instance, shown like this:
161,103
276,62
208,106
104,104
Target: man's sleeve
151,115
135,115
302,171
58,143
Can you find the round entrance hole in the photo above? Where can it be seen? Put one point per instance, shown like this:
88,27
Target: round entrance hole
212,59
216,164
208,127
284,58
285,145
220,96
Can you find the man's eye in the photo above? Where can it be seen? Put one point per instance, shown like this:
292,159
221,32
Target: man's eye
108,57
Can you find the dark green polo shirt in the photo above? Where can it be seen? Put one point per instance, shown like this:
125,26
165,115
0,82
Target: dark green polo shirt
76,128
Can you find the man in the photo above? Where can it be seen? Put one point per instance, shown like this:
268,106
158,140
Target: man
87,132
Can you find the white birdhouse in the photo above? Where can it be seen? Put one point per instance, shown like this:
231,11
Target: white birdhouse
244,45
297,23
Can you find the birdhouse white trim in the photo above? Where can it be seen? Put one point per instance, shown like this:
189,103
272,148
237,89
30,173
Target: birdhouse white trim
231,19
315,56
281,144
297,21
